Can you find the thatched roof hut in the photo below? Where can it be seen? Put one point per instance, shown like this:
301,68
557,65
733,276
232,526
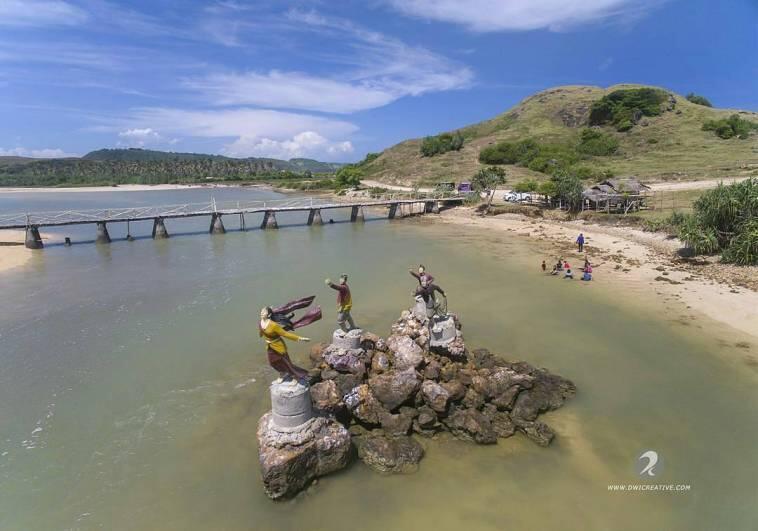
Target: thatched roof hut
618,192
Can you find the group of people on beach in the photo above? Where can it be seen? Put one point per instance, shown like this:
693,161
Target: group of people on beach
562,265
273,329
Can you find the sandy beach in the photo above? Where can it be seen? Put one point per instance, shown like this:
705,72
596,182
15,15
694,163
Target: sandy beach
642,264
13,254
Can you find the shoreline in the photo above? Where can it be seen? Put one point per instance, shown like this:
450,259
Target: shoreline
638,264
13,254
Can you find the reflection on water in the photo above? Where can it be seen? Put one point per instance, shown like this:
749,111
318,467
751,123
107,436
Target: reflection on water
132,378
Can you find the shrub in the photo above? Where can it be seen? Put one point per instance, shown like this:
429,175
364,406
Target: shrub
592,142
527,185
730,127
699,100
348,176
568,189
435,145
623,108
369,158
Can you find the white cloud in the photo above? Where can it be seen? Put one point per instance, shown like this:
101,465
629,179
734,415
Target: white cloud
305,144
46,153
521,15
40,13
141,137
380,70
241,122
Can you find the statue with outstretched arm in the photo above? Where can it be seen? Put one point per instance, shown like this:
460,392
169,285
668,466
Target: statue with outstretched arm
421,275
426,291
344,303
285,313
278,357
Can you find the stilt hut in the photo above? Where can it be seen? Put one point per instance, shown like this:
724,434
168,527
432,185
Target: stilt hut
616,195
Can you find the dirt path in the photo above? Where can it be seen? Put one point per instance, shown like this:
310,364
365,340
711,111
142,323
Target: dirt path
693,185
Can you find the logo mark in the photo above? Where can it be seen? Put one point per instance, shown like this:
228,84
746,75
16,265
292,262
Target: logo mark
650,460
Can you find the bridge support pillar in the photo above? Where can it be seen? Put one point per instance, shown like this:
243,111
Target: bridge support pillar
217,225
33,239
269,220
393,210
159,229
431,207
314,217
102,235
356,214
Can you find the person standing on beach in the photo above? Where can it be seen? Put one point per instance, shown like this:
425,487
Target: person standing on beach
580,242
278,357
544,266
344,303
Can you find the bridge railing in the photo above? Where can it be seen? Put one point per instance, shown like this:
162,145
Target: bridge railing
22,219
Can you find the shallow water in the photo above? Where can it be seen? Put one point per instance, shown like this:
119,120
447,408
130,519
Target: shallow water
132,378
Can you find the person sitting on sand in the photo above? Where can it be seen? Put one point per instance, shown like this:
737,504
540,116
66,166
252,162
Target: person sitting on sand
557,268
567,273
587,272
566,265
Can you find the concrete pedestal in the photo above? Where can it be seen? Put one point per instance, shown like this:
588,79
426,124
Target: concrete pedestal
356,214
217,226
102,233
419,309
33,240
269,221
347,340
159,229
314,217
443,331
291,405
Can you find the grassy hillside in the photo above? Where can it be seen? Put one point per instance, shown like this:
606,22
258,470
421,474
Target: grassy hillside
669,146
142,166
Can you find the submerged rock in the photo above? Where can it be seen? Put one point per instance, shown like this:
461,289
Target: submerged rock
290,460
391,455
471,424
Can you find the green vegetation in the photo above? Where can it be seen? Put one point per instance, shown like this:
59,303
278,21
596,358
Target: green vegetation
624,108
568,190
698,100
139,166
436,145
552,158
724,219
348,176
593,142
527,185
730,127
487,180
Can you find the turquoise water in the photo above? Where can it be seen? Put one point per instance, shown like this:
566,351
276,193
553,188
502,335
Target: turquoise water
132,378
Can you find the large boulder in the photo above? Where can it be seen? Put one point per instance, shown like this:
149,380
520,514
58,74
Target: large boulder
471,424
364,405
548,392
406,352
290,460
391,455
353,361
435,396
537,431
326,396
398,424
491,383
395,387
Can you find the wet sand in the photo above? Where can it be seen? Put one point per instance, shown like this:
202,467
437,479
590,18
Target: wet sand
638,265
13,254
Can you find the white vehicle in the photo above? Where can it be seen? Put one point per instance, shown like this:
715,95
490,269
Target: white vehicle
517,197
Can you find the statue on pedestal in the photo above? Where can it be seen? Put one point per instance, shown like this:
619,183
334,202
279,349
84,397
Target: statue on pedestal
421,275
278,357
344,303
426,291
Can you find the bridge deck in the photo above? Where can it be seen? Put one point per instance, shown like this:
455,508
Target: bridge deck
22,220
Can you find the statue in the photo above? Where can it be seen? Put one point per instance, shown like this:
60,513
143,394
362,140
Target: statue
434,307
421,275
284,314
274,333
344,303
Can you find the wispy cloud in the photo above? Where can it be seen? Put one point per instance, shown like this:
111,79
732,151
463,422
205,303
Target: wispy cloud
40,13
305,144
46,153
143,137
521,15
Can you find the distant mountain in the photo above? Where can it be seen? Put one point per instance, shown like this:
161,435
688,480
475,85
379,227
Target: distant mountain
144,166
668,143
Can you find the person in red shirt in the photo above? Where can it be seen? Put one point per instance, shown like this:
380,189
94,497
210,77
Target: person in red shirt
344,303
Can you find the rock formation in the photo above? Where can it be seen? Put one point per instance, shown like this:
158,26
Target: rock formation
420,381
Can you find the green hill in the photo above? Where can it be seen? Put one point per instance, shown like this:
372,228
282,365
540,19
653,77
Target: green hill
661,139
143,166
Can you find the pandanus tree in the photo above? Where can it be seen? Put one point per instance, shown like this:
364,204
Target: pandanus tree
487,180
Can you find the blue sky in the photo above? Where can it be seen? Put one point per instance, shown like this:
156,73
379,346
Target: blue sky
334,80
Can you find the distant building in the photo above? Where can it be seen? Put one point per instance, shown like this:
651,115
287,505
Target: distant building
622,194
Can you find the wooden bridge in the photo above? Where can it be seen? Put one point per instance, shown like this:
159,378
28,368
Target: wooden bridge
399,205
